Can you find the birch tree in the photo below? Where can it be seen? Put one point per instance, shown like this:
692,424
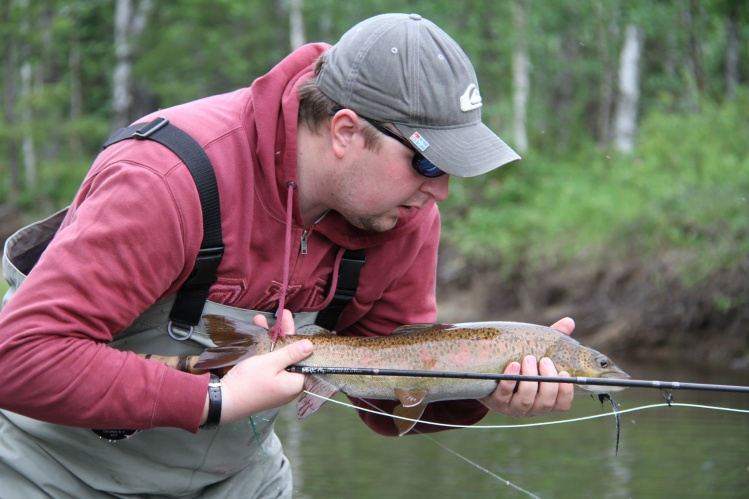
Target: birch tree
129,21
625,121
27,142
10,90
296,24
520,76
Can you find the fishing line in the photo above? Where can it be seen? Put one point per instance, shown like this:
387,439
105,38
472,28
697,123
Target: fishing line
476,465
451,451
541,423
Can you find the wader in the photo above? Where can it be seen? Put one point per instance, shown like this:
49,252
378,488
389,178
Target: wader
39,459
242,459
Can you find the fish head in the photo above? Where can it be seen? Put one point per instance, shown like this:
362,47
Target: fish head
584,362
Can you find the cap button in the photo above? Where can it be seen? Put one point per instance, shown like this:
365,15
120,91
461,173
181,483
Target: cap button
415,17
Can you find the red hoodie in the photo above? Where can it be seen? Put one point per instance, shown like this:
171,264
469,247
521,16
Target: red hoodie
131,237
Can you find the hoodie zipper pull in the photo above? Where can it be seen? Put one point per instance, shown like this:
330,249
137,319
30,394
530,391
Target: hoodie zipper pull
303,246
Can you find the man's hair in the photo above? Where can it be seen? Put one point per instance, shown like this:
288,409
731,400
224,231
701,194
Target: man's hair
316,109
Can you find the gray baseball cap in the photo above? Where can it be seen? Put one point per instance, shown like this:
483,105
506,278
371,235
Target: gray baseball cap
403,69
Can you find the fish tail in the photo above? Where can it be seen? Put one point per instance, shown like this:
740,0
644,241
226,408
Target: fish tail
235,341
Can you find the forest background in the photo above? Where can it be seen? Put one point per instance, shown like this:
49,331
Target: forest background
628,212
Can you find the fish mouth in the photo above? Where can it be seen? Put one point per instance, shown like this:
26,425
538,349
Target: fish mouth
597,389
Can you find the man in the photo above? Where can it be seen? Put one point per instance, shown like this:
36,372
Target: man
336,148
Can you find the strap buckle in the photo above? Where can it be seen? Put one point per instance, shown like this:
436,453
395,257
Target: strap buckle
206,265
150,128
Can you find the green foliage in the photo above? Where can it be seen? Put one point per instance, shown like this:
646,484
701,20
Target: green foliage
686,189
683,189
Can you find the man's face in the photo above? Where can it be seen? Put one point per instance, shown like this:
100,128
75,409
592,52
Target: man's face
380,186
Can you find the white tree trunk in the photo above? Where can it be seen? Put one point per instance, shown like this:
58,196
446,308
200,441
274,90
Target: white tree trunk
129,22
521,78
625,120
296,24
27,141
27,144
76,92
732,57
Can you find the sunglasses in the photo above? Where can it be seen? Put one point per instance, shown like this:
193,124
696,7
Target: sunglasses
423,166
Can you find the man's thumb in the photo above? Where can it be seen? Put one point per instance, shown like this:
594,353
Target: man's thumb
297,351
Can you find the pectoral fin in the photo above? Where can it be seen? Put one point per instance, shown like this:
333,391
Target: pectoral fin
410,398
410,407
307,403
413,414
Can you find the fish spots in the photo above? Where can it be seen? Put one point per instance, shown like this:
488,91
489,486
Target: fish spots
483,353
428,361
365,359
463,357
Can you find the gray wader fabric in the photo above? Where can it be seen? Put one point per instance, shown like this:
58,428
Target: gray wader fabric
39,459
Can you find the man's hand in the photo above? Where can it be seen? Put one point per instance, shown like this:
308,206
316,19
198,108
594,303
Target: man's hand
262,382
532,399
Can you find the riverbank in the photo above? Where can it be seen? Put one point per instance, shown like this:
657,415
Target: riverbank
646,251
631,307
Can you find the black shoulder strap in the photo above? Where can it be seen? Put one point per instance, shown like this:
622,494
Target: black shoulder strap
348,280
191,297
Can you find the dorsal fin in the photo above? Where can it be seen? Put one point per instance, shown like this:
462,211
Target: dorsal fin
313,330
417,328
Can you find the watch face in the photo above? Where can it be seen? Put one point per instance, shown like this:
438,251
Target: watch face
115,435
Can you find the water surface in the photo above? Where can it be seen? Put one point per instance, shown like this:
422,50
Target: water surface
663,452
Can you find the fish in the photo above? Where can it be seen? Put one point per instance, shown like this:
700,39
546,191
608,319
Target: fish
475,347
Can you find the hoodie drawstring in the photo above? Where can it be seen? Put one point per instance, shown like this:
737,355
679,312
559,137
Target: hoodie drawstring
276,331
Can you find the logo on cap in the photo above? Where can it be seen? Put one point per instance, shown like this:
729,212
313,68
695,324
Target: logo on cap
471,99
419,141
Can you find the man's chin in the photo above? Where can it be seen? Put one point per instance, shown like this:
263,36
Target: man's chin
376,224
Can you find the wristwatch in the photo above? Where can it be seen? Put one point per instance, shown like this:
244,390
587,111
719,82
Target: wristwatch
214,404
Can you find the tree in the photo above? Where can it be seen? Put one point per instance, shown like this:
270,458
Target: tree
520,76
625,122
296,23
10,94
129,22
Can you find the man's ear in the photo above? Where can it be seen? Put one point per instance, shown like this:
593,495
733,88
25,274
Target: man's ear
343,127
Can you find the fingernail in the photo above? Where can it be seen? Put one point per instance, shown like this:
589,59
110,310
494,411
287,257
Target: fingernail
305,347
546,362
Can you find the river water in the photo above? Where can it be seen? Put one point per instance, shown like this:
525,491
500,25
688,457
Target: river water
663,452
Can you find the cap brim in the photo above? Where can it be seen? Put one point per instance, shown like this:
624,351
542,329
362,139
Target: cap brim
462,152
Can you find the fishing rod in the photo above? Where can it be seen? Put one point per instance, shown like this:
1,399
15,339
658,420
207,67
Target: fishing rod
187,364
627,383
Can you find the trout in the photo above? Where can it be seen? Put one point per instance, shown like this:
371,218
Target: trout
478,347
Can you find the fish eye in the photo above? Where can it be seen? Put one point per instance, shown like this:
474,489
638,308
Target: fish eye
603,361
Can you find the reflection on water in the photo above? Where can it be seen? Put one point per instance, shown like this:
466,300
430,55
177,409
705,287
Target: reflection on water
664,452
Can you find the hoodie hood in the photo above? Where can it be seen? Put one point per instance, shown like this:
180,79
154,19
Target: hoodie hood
275,119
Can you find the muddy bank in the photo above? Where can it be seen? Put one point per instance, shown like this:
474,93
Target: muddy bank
634,308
